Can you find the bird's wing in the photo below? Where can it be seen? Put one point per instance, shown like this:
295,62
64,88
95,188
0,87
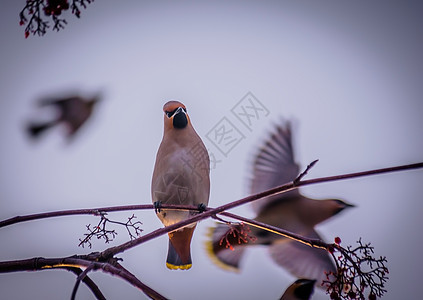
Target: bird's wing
223,248
274,165
301,260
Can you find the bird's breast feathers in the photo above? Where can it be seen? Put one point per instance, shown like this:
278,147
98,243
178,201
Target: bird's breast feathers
180,177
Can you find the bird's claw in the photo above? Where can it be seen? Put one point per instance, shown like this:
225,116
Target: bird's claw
157,206
201,207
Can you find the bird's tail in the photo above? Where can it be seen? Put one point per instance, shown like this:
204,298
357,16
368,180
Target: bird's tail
35,130
224,246
179,252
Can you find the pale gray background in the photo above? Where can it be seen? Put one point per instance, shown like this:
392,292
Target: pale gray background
349,72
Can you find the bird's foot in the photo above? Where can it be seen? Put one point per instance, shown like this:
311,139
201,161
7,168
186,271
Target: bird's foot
157,206
202,207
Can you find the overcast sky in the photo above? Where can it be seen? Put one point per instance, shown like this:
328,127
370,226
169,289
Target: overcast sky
349,73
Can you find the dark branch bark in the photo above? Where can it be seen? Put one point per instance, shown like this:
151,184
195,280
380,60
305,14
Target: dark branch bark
89,283
105,260
316,243
78,280
110,252
280,189
87,211
82,261
133,279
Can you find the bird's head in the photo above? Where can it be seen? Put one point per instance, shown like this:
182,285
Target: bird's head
175,116
320,210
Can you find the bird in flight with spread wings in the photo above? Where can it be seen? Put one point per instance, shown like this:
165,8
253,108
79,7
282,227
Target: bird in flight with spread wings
274,165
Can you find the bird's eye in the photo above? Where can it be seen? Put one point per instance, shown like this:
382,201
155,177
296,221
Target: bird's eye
170,113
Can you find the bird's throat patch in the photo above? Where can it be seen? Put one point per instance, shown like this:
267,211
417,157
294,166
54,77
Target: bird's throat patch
180,120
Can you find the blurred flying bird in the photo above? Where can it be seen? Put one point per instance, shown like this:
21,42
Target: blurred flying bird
274,165
73,112
301,289
181,176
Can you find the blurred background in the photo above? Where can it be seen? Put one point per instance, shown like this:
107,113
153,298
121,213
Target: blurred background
349,74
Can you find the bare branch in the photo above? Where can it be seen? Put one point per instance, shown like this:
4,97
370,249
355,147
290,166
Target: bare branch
110,266
39,11
87,211
135,281
357,269
308,168
80,277
100,230
89,283
276,190
105,260
315,243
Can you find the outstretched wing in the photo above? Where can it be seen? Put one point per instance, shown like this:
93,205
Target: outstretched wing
301,260
274,165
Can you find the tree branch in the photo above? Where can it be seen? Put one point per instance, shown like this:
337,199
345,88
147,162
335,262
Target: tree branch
277,190
110,252
111,266
90,284
350,281
315,243
86,211
80,277
105,260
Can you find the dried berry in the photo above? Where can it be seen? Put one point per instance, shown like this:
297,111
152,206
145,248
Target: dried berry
372,296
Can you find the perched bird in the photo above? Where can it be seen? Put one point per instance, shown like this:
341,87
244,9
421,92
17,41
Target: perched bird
274,165
301,289
181,176
73,112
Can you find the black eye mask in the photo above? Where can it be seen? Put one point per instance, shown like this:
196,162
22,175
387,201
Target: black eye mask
171,113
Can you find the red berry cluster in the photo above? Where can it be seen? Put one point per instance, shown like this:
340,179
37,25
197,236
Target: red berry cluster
35,23
55,7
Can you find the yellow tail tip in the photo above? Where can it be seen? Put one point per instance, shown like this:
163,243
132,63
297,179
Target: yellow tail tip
179,267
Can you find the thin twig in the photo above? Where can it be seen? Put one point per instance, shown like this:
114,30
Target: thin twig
86,211
146,289
315,243
78,280
308,168
89,283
